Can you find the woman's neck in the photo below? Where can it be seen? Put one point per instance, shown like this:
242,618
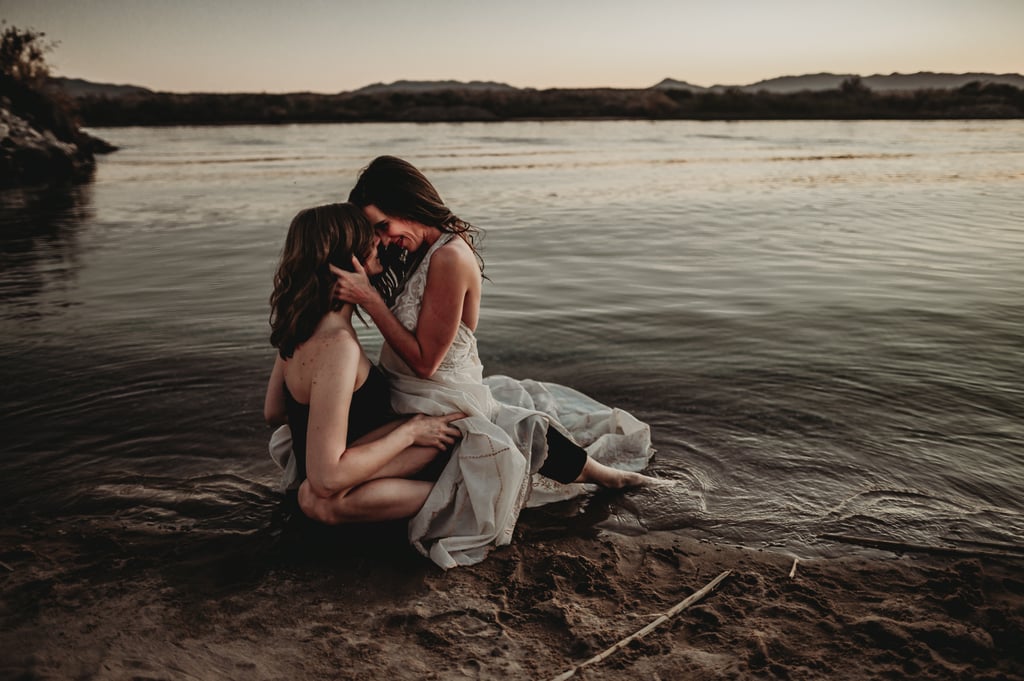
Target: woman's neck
341,316
431,235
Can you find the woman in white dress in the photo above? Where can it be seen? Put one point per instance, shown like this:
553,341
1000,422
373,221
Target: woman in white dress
515,429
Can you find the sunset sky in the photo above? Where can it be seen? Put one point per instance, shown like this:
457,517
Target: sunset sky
332,46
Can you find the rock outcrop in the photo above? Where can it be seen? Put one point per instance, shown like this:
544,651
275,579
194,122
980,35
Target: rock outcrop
31,154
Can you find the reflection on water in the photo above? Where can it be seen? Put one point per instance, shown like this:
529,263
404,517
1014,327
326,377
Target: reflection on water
821,320
39,243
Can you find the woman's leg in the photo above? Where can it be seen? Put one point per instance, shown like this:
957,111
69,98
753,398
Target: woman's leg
566,459
568,462
408,463
612,478
374,501
389,494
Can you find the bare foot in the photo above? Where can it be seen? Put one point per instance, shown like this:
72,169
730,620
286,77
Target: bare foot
612,478
641,480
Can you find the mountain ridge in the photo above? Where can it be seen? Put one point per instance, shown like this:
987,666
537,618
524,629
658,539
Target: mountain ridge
893,82
923,80
433,85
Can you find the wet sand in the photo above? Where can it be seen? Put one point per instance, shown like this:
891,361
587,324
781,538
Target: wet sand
298,602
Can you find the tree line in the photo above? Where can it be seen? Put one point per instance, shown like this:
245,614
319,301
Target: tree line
850,101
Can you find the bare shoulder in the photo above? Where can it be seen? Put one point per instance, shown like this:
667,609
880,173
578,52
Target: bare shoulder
337,344
337,360
325,358
327,351
456,256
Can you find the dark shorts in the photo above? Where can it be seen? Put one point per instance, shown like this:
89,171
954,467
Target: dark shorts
565,458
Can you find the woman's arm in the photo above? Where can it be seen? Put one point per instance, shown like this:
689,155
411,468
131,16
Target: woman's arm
331,466
274,411
453,277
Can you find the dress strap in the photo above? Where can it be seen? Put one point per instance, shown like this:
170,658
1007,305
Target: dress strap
441,241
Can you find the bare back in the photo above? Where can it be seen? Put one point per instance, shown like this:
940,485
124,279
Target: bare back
319,358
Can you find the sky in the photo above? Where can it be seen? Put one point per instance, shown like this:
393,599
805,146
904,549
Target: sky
341,45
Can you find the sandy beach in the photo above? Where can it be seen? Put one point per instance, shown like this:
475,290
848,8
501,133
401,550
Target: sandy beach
302,602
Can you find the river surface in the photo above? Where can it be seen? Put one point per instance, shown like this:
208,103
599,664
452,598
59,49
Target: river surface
823,322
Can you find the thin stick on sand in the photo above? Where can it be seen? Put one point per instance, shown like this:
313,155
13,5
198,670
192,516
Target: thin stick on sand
792,572
673,611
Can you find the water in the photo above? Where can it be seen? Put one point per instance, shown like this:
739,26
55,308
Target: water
822,321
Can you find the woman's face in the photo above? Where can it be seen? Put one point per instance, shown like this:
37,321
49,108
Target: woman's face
405,233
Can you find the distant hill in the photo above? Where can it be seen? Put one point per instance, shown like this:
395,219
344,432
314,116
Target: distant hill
432,86
77,87
809,82
817,82
938,81
673,84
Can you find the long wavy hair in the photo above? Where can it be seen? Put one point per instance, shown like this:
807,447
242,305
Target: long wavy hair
303,283
399,189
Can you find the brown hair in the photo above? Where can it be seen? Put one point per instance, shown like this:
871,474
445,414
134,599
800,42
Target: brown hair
303,283
399,189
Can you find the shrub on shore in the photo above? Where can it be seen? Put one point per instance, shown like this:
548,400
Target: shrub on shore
40,139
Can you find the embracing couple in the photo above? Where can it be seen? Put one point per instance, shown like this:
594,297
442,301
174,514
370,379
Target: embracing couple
422,434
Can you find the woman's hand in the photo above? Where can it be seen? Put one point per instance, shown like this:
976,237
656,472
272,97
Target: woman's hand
435,431
354,287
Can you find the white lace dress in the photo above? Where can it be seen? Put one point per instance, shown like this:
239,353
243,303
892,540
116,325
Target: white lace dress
491,475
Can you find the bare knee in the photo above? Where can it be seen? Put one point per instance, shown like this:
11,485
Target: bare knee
321,509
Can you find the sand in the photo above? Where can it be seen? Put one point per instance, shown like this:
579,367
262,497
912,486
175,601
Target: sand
87,602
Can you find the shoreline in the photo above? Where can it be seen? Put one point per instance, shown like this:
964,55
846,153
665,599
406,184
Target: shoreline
310,602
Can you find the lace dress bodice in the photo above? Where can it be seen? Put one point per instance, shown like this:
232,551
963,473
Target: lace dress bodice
462,354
